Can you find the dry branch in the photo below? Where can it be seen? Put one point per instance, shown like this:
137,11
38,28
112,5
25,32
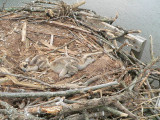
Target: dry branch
94,103
114,111
76,5
59,93
58,86
94,115
29,78
15,81
138,79
68,26
24,30
62,46
121,107
13,114
56,48
123,45
151,47
91,80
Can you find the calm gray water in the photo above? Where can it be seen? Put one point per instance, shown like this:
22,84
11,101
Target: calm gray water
133,14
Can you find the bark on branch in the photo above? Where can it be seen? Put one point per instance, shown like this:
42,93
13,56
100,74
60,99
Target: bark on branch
94,103
53,94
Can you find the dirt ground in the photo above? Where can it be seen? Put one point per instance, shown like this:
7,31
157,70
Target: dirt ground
13,51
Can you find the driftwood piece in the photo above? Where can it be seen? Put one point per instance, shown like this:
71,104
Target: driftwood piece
52,39
53,110
92,17
68,26
89,104
151,47
73,6
24,34
24,30
59,93
137,41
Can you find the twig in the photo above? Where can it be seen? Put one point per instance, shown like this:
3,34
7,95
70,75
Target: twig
125,44
76,5
86,115
66,44
152,117
154,111
125,33
150,64
92,44
124,56
52,39
158,102
94,103
121,107
30,78
135,60
152,90
59,93
151,47
4,3
24,30
144,79
88,94
3,80
68,26
55,48
44,103
91,80
114,111
62,46
121,35
13,114
12,12
131,86
140,75
16,82
57,86
111,36
91,115
3,111
46,2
